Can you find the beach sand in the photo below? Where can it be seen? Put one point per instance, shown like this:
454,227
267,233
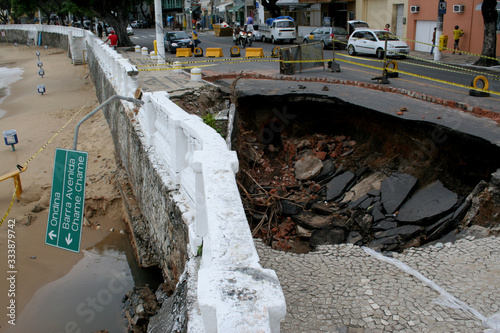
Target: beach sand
36,117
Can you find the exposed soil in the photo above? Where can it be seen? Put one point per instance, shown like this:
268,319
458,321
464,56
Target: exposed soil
275,133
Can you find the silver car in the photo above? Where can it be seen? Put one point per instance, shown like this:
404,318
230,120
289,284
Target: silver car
329,36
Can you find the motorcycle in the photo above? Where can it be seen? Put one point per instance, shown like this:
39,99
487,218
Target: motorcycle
242,39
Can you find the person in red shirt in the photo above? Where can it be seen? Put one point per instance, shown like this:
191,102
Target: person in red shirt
113,40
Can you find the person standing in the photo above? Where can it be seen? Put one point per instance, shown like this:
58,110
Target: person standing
457,33
433,40
99,30
113,40
195,37
387,26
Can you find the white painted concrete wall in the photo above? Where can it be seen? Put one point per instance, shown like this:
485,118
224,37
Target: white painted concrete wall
234,293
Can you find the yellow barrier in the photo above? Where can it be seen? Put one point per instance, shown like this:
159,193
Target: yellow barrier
257,52
213,52
183,52
15,175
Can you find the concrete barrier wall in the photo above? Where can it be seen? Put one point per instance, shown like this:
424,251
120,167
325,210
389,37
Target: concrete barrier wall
183,178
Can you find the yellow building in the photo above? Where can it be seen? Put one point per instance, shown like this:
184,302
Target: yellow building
377,13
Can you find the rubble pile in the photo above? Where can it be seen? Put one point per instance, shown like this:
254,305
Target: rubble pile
306,193
140,304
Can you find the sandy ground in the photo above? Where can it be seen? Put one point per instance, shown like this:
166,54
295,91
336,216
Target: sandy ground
37,118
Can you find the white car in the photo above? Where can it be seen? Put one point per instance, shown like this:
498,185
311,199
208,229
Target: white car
256,34
130,31
373,42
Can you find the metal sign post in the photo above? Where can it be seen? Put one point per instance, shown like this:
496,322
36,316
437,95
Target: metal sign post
67,200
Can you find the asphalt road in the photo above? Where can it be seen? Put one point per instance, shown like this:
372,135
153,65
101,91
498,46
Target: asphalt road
353,68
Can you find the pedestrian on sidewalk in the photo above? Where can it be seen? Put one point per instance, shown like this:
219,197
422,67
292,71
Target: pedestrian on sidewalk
433,40
387,26
113,40
457,33
99,30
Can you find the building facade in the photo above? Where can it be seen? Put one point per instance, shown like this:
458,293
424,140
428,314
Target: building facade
422,18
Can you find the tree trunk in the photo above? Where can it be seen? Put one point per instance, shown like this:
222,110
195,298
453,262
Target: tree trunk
490,17
120,27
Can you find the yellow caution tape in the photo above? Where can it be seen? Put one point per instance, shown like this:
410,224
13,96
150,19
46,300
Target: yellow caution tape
41,149
10,206
420,76
459,70
447,82
446,48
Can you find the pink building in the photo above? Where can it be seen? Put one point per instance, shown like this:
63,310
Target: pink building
422,18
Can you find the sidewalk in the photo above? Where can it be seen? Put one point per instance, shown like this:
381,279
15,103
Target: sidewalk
342,288
463,59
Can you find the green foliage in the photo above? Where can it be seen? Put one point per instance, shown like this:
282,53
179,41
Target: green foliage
115,13
200,250
209,119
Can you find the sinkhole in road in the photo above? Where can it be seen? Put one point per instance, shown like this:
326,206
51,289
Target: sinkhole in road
316,170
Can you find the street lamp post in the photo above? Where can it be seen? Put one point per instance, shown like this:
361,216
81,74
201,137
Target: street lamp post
160,43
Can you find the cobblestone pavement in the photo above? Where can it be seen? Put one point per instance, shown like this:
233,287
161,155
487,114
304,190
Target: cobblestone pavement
342,288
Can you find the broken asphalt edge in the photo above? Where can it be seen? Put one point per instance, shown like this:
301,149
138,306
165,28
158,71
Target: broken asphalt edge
475,110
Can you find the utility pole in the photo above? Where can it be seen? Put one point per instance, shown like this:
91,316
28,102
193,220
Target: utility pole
160,42
245,13
439,28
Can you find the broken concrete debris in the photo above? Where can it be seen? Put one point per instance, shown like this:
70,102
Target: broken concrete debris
427,203
323,201
395,189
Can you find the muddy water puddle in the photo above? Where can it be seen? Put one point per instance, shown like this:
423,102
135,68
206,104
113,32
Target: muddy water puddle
89,297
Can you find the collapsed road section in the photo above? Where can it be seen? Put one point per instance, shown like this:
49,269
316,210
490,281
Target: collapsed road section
318,169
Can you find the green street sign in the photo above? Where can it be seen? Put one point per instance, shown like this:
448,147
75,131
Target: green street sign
67,200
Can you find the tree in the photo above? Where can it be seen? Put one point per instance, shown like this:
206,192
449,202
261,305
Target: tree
114,12
490,17
5,7
271,6
28,7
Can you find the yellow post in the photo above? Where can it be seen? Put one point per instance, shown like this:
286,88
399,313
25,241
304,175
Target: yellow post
15,175
155,47
18,186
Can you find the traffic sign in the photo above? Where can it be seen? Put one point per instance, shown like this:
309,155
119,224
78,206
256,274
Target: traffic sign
442,8
67,200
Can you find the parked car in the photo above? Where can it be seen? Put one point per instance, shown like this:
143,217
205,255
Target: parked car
177,39
356,24
109,29
373,42
87,24
143,24
256,34
135,24
329,36
130,31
